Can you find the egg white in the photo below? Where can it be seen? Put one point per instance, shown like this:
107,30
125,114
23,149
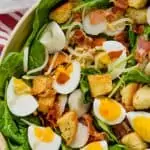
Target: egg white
81,137
93,29
96,106
53,38
72,83
20,105
103,144
132,115
76,104
117,67
36,144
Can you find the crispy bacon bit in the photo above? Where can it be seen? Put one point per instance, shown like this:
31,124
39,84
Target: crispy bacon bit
139,29
98,42
123,4
143,49
62,78
97,16
121,129
94,135
80,39
122,38
53,116
77,17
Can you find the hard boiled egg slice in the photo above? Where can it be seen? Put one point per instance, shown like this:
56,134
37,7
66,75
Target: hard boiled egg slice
53,38
99,145
117,52
20,102
67,79
76,104
43,138
109,111
81,136
140,122
94,23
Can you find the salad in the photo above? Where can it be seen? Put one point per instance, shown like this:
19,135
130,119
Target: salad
81,80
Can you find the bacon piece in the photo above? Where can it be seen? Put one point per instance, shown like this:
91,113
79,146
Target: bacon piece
123,4
121,129
97,16
143,49
98,42
139,29
94,135
80,39
77,17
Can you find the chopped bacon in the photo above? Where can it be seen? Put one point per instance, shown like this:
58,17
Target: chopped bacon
97,16
123,4
94,135
139,29
80,39
122,38
53,116
77,17
98,42
121,129
143,49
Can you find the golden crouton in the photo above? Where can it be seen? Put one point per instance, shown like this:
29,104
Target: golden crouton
100,84
45,103
141,99
137,3
41,84
127,94
62,13
21,87
133,142
68,126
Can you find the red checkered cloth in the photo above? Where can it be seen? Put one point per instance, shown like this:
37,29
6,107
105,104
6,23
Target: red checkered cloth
7,23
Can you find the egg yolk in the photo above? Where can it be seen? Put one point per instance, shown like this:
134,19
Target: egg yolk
109,109
44,134
94,146
63,74
21,87
141,125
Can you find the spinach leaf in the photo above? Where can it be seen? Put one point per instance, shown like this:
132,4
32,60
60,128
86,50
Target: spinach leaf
132,38
102,126
37,55
12,65
117,147
147,31
93,3
41,17
84,84
136,75
16,135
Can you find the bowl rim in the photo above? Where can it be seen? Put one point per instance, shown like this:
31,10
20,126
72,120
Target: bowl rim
14,31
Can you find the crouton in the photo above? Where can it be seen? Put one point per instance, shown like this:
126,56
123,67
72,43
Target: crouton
137,3
141,99
62,13
133,142
45,103
138,15
68,126
100,84
127,94
41,84
21,87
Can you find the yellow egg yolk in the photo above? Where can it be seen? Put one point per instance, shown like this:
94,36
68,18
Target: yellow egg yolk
141,125
44,134
63,74
94,146
21,87
109,109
